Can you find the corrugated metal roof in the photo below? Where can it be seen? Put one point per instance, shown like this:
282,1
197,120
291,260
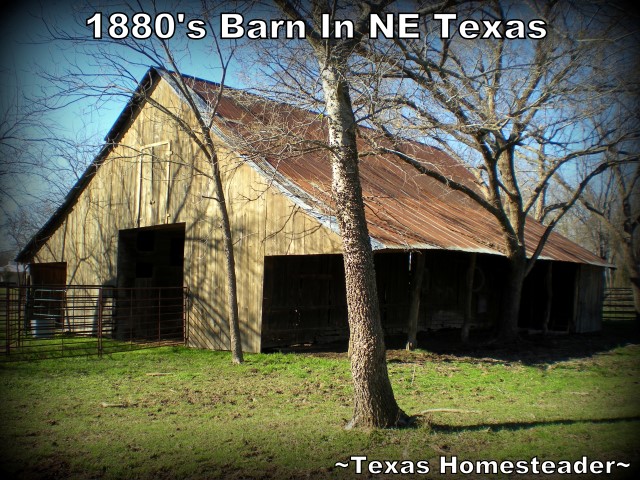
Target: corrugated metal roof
405,209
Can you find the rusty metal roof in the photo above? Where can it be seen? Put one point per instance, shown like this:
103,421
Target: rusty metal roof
405,209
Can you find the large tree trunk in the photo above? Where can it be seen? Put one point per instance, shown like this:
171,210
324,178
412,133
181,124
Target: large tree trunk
374,402
511,296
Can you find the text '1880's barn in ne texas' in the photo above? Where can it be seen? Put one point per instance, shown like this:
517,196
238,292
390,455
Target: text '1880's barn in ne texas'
142,215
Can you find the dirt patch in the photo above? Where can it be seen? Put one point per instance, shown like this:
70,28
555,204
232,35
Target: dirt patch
50,468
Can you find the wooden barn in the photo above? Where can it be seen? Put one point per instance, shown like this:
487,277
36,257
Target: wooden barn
142,215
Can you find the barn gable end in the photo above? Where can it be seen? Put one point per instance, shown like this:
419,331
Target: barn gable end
150,178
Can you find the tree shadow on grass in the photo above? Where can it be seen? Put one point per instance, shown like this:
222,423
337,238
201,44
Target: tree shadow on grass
515,426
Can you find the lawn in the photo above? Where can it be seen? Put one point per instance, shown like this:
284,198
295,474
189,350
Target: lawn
173,412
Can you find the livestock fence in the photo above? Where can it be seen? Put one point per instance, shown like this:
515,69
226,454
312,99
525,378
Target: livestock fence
618,304
38,322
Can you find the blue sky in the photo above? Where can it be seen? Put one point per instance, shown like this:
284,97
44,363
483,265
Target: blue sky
27,57
26,54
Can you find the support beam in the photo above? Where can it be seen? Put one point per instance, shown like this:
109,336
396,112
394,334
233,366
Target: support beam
466,325
548,285
416,289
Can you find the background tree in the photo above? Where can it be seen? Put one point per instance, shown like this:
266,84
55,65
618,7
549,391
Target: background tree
497,104
623,224
38,165
611,218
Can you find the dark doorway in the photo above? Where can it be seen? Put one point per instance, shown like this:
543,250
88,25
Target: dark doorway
304,300
535,296
52,273
46,299
150,283
563,305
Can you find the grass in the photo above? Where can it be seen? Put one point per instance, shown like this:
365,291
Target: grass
68,345
178,413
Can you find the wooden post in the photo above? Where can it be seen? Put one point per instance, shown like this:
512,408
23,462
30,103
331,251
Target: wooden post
414,308
7,318
548,298
159,313
100,303
185,315
466,324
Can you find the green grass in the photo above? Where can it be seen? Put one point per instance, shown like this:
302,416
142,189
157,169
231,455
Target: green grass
282,415
63,345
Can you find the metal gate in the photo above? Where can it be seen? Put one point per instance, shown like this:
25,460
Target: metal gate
38,322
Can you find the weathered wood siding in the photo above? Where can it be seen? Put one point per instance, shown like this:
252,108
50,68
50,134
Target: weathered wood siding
589,297
156,175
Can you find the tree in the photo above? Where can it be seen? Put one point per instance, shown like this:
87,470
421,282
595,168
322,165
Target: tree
625,226
498,103
38,166
120,57
374,402
616,211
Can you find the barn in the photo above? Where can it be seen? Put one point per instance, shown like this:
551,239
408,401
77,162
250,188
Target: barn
142,216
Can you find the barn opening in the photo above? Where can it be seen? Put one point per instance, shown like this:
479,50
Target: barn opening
304,300
45,303
149,296
549,285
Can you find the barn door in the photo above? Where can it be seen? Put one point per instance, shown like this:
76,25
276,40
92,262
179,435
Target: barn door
150,279
47,298
154,185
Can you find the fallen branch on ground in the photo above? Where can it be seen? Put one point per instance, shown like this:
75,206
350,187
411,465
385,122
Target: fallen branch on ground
114,405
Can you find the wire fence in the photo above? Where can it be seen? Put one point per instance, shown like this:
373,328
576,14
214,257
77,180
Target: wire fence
38,322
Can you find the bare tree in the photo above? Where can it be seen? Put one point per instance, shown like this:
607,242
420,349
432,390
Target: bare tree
117,61
38,165
609,216
498,103
615,209
374,402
